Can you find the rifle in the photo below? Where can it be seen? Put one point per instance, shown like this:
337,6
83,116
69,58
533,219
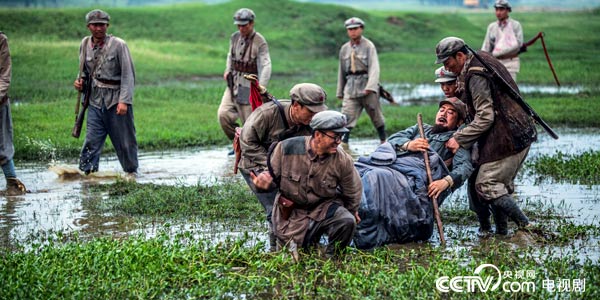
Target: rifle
230,85
516,96
383,93
540,35
85,102
436,209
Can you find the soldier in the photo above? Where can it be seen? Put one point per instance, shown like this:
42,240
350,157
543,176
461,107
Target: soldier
319,188
109,71
358,79
502,129
504,38
248,54
14,186
447,81
270,123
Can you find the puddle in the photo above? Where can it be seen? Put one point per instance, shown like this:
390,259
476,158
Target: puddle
57,204
410,94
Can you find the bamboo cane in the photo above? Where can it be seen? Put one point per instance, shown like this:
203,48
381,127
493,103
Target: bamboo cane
436,209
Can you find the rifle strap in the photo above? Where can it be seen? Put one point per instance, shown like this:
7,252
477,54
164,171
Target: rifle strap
281,113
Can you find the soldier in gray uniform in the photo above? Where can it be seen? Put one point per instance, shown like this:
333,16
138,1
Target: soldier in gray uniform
248,54
358,79
319,188
500,132
270,123
504,38
14,186
108,68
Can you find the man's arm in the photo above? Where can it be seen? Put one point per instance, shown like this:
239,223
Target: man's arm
5,67
488,43
462,167
251,141
263,61
127,74
351,185
373,82
341,75
484,113
400,139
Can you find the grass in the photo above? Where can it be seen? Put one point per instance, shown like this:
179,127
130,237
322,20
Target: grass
179,53
575,168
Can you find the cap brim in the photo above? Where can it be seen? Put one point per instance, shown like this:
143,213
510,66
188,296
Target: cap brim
341,130
98,22
240,22
316,108
441,60
440,80
352,26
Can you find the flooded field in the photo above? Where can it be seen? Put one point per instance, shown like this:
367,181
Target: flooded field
57,204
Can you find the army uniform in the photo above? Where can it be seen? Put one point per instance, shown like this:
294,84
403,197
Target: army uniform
112,82
509,57
326,190
358,71
14,186
247,55
503,131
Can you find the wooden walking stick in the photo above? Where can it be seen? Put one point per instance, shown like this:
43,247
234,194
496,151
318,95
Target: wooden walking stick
436,209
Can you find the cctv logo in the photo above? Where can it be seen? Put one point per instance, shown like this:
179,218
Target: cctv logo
469,284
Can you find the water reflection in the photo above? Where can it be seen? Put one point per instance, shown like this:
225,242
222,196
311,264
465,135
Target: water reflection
64,205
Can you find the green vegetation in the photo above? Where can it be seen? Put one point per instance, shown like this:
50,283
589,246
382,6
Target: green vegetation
179,53
580,168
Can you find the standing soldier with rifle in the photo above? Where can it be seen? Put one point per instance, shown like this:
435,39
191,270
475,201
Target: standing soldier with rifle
504,38
248,54
14,186
501,126
108,72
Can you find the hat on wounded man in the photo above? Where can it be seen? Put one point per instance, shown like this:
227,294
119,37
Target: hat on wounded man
243,16
459,106
329,120
310,95
443,75
354,22
447,47
97,16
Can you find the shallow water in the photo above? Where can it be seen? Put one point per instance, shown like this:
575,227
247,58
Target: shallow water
57,204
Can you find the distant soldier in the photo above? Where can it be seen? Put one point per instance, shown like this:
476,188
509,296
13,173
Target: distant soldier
248,54
319,188
272,122
14,186
504,38
447,81
358,79
108,69
503,131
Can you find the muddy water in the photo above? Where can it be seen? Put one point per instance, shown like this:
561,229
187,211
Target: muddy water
410,94
58,204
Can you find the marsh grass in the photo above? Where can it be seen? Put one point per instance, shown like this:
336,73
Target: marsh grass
581,168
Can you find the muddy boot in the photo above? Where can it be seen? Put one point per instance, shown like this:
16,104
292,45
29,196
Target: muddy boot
501,221
508,205
485,227
14,187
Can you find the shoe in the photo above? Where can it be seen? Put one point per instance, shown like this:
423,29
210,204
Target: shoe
130,176
231,152
14,187
484,233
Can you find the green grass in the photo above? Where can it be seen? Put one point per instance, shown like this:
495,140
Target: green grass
179,53
581,168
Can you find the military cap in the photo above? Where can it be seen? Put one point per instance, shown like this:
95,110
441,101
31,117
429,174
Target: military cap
447,47
459,106
310,95
97,16
243,16
354,22
443,75
503,4
329,120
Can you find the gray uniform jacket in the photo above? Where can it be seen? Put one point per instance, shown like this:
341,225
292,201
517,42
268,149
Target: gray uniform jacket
114,78
259,53
366,61
461,167
264,127
5,68
313,184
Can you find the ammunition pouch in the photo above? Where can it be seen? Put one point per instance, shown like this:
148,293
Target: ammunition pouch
286,206
245,66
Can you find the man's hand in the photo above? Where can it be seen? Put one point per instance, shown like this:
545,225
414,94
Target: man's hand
452,145
78,84
121,108
367,92
418,144
357,217
262,180
437,187
225,76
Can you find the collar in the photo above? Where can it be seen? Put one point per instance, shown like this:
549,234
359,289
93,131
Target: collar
503,22
352,43
100,44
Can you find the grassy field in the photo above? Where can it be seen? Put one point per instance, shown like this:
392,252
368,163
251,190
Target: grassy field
179,53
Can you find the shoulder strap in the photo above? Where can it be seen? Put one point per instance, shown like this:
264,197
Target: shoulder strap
86,40
281,113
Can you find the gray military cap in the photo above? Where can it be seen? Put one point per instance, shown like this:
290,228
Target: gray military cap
329,120
447,47
443,75
503,4
459,106
243,16
310,95
97,16
354,22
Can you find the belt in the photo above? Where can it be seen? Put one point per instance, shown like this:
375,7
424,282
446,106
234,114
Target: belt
357,73
507,56
111,82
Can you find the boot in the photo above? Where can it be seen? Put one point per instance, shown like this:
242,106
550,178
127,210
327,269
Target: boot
501,221
508,205
14,187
